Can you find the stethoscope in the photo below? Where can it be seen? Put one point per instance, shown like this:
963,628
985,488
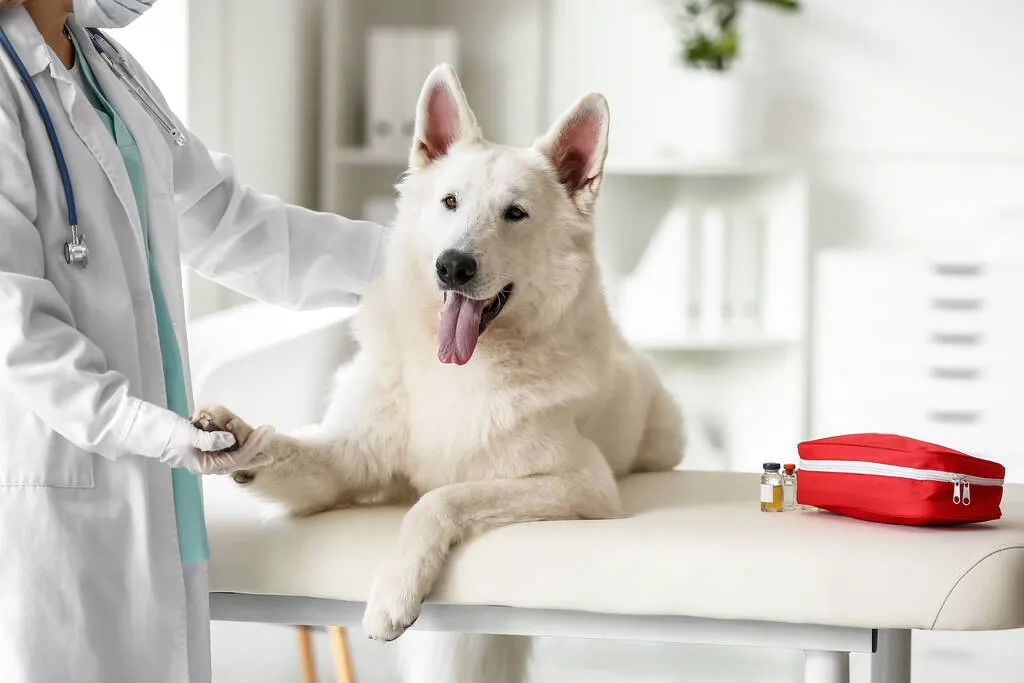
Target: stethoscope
76,252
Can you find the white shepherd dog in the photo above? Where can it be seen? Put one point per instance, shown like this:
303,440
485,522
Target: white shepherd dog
492,385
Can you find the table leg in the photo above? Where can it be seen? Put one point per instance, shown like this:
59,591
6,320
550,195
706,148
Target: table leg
891,661
826,667
307,662
342,658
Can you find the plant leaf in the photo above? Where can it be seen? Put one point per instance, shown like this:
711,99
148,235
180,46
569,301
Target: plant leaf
788,5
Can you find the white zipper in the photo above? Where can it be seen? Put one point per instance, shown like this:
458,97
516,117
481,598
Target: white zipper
961,482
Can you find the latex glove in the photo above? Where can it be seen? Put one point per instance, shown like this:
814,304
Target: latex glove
202,452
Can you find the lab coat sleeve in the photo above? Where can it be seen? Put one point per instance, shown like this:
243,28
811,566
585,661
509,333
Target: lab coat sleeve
57,372
257,244
263,247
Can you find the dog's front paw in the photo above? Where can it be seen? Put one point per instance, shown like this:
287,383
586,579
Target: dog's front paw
391,609
214,418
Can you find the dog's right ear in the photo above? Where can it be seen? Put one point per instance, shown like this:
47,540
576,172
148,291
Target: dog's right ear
443,117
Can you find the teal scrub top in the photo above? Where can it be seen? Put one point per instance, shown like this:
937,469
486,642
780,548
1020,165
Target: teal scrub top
188,498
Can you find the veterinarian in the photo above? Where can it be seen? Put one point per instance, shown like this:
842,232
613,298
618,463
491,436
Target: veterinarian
103,194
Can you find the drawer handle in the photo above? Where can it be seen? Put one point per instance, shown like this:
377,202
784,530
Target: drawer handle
956,339
957,304
958,269
955,416
955,373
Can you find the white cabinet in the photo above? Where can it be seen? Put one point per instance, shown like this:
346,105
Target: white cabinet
744,394
929,347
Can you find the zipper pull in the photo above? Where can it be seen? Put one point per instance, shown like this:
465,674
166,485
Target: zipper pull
956,492
967,493
179,138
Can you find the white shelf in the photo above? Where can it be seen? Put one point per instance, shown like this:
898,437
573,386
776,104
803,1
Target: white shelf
717,344
626,166
676,166
364,156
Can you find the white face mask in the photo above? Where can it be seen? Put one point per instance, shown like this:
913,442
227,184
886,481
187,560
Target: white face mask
109,13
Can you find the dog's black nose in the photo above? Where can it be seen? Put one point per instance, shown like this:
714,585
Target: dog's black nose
455,268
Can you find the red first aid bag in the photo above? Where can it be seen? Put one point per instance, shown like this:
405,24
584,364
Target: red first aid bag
897,480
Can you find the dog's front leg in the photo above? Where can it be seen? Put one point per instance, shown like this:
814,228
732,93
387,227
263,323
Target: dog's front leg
313,469
446,515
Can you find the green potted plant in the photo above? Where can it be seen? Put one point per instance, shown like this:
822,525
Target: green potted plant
715,118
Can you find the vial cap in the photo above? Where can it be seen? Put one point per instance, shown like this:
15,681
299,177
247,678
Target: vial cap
789,467
771,466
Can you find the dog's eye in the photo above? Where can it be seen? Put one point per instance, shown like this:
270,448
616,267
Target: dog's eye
450,202
515,214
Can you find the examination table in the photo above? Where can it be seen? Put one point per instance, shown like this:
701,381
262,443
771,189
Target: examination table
696,561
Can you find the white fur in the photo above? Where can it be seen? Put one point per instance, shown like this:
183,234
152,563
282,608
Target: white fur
553,405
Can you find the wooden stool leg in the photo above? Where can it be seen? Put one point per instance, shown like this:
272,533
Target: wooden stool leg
342,660
306,659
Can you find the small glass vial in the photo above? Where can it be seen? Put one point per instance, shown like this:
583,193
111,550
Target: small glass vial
789,487
771,488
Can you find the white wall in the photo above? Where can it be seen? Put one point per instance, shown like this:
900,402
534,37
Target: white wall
253,78
254,69
915,130
908,113
159,41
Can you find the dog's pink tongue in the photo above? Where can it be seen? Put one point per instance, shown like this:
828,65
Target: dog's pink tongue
459,329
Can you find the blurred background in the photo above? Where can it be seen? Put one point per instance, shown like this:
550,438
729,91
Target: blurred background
812,220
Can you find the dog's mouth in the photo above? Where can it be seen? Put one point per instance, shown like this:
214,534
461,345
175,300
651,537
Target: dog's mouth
463,320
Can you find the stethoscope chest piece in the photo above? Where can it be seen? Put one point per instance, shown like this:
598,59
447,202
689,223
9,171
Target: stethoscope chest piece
76,253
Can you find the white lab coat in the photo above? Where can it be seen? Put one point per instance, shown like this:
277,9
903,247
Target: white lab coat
92,588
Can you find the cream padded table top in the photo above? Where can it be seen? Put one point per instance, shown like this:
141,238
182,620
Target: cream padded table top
695,544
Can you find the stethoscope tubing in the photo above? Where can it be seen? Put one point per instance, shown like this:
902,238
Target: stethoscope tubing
75,250
51,133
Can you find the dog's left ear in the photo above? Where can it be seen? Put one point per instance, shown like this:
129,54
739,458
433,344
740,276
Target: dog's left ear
577,146
443,117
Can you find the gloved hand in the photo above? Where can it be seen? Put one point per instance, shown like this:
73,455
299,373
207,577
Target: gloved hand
203,452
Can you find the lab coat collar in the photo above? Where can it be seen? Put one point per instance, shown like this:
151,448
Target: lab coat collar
26,39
